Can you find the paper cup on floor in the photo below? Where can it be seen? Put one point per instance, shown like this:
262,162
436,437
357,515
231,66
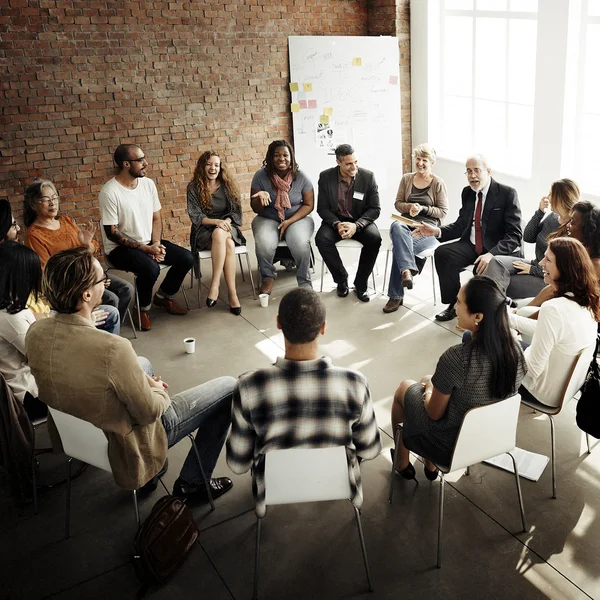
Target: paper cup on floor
264,300
190,345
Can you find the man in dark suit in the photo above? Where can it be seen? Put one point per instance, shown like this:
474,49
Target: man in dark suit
348,203
488,224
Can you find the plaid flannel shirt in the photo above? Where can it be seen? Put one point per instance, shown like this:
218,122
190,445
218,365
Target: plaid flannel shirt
301,404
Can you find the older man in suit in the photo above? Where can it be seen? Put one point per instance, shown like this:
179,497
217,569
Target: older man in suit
348,203
488,224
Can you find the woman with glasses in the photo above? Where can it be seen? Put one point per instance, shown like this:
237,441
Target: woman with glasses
48,233
8,226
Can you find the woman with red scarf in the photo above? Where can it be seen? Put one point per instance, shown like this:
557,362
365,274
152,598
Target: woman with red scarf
282,196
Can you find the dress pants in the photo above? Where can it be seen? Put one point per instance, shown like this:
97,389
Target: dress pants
450,260
147,269
369,237
503,272
118,294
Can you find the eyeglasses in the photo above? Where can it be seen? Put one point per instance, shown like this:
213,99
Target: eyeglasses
103,280
48,199
140,160
470,172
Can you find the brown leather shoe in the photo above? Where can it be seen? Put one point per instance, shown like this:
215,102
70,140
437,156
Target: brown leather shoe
144,318
407,280
393,304
266,286
172,307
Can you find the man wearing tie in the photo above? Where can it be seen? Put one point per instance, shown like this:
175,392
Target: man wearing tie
488,224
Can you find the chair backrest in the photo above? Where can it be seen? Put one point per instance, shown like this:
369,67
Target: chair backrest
486,431
82,440
306,475
578,373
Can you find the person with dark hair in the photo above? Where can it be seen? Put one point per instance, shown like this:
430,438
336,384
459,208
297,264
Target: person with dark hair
282,197
584,225
482,370
523,279
20,277
348,203
488,224
566,324
132,234
106,385
301,401
215,209
48,233
9,228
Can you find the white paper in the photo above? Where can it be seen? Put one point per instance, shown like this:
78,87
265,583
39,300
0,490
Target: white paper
530,465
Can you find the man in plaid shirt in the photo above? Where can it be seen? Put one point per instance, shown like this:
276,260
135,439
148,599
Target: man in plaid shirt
302,401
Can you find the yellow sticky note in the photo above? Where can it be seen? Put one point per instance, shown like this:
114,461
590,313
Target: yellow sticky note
328,110
294,87
295,107
324,119
307,87
357,62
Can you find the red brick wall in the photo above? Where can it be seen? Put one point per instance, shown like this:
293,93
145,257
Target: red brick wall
392,17
78,77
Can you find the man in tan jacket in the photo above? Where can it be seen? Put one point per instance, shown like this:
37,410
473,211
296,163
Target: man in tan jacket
97,377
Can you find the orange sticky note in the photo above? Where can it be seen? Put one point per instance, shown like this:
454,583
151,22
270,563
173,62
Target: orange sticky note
324,120
302,103
357,62
294,87
328,110
312,104
307,87
295,107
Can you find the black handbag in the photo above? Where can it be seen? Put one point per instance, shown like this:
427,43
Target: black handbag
588,407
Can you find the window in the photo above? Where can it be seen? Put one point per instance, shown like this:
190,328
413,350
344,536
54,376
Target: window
485,96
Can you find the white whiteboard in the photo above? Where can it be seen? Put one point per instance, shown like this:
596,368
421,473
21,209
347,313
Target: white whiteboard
354,82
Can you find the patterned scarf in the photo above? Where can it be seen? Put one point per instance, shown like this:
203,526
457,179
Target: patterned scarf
282,186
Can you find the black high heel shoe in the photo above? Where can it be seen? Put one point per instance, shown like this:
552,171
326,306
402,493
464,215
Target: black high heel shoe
408,472
235,310
431,475
210,302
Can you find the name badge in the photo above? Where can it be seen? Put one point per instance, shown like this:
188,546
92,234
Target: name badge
359,196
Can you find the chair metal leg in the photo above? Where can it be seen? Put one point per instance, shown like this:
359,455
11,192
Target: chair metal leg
363,547
553,456
587,439
185,296
440,522
137,509
385,272
206,482
130,317
519,492
137,301
256,559
396,442
433,280
250,272
322,273
241,267
197,268
373,278
36,509
68,508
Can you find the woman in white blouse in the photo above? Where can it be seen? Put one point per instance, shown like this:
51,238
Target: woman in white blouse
565,325
20,278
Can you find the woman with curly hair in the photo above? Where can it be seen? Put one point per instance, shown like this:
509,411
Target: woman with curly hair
282,196
214,207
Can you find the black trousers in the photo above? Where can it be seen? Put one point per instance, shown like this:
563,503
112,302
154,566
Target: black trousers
450,260
147,269
369,237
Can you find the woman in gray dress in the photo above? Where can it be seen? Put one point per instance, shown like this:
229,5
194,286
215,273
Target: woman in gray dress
214,207
485,369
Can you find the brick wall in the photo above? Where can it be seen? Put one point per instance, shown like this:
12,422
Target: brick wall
80,76
392,17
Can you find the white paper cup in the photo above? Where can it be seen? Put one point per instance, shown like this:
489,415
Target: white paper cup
190,345
264,300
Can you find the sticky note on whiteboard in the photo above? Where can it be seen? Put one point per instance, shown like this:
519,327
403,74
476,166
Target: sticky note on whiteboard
307,87
328,110
295,107
393,79
312,104
294,87
324,119
303,103
357,61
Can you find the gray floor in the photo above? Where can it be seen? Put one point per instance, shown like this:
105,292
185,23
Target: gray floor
312,551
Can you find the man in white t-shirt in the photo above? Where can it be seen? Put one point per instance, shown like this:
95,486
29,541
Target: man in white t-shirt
132,233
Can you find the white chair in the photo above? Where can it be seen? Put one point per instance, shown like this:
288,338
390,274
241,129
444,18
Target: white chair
348,244
576,378
429,253
307,475
111,267
205,254
486,431
86,442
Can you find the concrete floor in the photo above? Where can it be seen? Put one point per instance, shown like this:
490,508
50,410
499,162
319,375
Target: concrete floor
312,551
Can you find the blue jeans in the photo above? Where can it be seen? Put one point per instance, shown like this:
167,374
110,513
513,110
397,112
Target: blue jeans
113,322
297,236
404,248
207,409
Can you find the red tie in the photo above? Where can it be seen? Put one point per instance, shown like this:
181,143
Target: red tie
478,237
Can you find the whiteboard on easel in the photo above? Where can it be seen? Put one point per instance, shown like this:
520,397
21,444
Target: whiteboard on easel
346,90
